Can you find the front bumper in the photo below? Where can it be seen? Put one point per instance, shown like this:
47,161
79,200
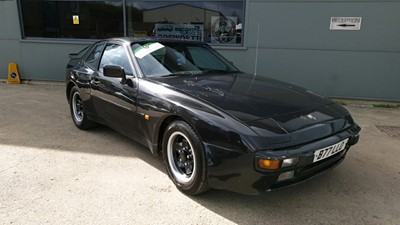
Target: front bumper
238,172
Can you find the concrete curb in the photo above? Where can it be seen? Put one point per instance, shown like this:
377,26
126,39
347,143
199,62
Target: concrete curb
38,82
367,103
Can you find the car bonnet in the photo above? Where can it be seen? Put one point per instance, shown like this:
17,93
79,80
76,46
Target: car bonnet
269,107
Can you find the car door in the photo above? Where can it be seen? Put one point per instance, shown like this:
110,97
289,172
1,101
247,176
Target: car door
84,72
115,99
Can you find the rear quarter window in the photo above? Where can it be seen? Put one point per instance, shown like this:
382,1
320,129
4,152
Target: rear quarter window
94,56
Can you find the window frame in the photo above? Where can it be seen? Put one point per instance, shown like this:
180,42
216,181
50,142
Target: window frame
128,54
67,40
24,38
95,45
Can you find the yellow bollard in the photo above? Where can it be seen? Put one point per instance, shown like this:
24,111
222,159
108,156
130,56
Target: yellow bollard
13,75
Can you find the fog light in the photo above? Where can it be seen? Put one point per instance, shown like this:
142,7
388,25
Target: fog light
290,162
269,164
286,175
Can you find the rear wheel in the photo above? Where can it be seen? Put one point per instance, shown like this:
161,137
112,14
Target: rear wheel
78,113
184,158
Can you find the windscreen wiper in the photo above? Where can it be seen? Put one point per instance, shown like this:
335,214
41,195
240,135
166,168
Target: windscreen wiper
182,73
218,71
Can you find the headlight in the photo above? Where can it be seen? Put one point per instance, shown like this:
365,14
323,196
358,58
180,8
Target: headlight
290,162
274,164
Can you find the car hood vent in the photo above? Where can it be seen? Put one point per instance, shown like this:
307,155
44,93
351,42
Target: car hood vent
302,127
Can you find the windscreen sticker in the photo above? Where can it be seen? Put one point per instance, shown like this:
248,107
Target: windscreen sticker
146,49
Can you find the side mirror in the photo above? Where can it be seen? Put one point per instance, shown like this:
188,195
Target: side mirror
114,71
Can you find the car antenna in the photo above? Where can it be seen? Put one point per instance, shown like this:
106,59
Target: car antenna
256,61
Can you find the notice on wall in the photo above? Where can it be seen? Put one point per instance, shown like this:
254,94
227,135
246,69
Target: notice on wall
140,33
75,19
223,29
192,32
345,23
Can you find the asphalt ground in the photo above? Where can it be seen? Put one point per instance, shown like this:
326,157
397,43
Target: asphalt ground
53,173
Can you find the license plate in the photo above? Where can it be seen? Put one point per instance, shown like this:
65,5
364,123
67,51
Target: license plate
330,150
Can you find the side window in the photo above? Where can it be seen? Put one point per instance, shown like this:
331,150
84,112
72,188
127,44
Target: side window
205,59
94,56
115,54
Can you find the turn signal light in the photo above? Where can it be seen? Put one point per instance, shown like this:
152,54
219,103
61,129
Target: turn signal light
269,164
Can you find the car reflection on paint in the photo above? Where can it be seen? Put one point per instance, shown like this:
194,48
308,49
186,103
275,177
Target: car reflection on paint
214,126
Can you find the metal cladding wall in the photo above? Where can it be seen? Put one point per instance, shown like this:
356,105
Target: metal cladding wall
36,59
9,35
295,44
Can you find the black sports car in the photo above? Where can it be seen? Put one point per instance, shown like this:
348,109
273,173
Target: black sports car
216,127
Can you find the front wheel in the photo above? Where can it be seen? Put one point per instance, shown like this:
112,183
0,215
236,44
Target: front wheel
184,158
78,113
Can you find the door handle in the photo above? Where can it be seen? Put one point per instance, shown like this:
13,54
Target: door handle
95,82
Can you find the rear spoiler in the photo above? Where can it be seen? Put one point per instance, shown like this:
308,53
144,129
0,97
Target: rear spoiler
79,54
73,55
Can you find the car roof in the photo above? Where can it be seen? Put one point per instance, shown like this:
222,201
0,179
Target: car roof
147,39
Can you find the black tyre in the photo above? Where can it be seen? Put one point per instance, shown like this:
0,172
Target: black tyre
78,112
184,158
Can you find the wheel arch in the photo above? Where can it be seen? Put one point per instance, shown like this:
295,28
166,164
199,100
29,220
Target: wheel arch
162,127
207,129
68,90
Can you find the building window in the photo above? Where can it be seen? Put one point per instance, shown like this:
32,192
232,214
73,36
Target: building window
214,22
72,19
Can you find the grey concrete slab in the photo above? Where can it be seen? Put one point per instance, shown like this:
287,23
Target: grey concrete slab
53,173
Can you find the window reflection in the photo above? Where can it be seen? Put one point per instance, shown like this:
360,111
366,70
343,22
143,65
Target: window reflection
176,59
55,19
94,56
115,54
212,22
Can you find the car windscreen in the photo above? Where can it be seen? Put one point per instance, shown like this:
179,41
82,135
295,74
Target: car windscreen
159,59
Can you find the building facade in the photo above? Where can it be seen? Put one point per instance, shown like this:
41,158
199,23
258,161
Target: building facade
341,48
